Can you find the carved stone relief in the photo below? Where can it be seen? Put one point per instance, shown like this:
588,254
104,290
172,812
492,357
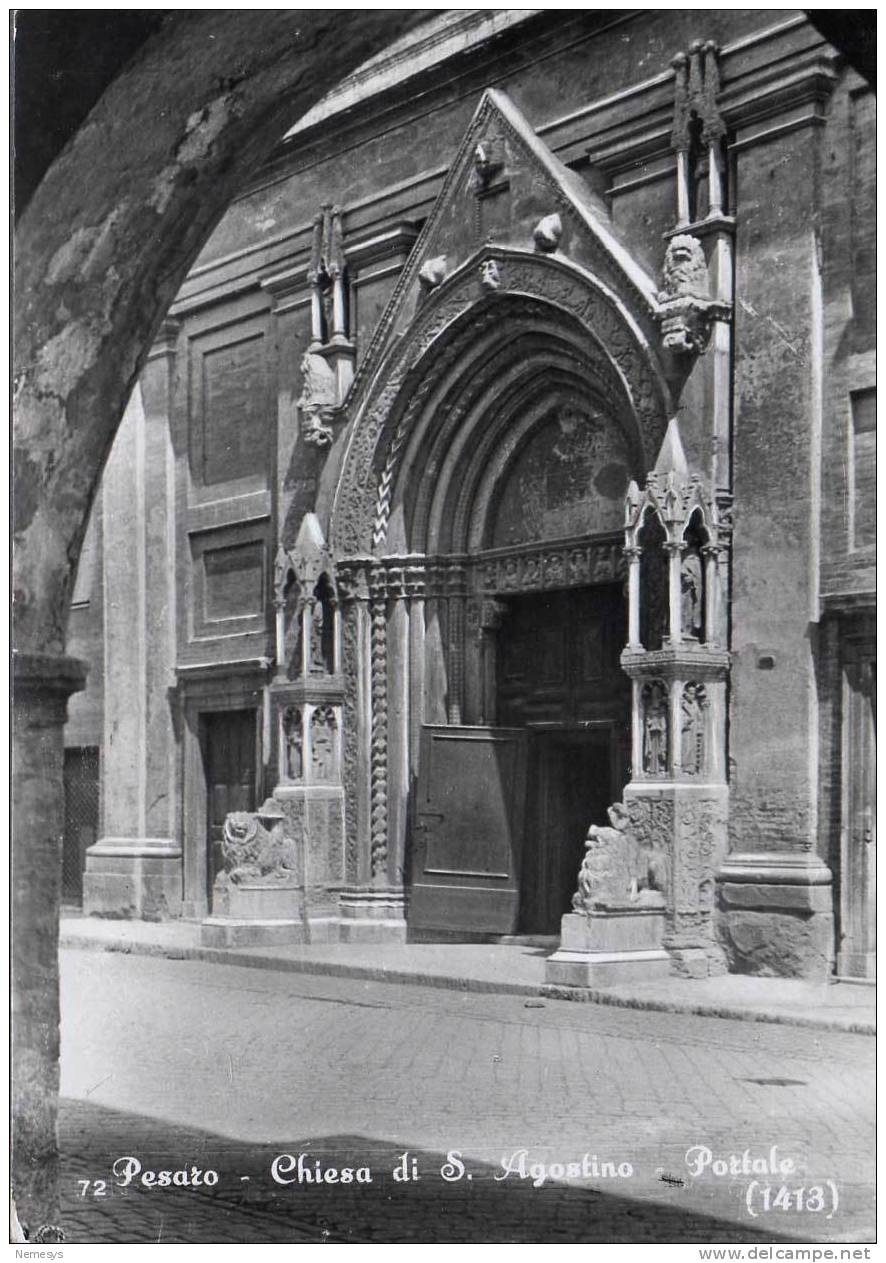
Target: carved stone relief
571,566
654,709
292,753
692,741
324,754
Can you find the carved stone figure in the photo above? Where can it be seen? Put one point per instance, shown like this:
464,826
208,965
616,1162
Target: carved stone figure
655,729
490,276
283,571
432,273
318,400
547,233
691,595
255,848
488,158
323,755
292,735
687,309
692,740
685,271
316,623
617,870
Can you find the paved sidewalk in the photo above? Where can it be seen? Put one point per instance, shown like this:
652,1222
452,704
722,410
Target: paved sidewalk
497,968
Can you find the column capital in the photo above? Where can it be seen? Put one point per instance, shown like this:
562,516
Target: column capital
48,673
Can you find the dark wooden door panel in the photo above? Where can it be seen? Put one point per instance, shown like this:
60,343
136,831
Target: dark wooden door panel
229,756
571,783
858,842
468,828
558,659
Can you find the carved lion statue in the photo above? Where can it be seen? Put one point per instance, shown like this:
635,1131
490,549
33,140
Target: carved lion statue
685,272
253,852
617,870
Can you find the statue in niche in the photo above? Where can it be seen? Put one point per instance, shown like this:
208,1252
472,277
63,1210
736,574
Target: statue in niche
693,705
655,729
323,744
617,869
691,596
316,620
293,762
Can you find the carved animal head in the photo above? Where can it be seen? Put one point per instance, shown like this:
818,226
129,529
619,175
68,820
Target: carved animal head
240,826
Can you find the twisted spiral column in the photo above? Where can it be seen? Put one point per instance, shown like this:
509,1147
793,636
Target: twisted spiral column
378,818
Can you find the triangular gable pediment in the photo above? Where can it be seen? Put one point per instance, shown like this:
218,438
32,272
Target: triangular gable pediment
505,187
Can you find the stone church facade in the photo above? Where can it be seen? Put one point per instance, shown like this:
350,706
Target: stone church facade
488,545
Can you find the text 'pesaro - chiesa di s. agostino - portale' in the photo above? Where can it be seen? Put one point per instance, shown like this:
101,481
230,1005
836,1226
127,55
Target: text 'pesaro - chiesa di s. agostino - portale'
488,546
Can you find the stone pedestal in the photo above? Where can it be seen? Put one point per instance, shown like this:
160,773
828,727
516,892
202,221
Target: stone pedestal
372,914
775,915
687,824
255,916
133,879
610,945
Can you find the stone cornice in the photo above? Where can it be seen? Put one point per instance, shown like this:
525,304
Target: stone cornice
315,690
778,69
677,662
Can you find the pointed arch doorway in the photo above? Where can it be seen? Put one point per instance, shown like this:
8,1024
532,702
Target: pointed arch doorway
513,495
477,521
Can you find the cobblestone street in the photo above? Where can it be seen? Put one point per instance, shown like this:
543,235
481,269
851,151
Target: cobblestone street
183,1064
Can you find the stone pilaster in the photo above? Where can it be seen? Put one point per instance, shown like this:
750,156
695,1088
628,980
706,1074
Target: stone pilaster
134,870
41,687
775,884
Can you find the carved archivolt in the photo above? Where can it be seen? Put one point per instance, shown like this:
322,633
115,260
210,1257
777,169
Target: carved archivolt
384,419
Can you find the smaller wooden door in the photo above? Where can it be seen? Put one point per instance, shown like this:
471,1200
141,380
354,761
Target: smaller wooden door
229,754
858,842
468,830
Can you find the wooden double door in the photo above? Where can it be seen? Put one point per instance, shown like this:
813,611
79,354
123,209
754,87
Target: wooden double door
501,811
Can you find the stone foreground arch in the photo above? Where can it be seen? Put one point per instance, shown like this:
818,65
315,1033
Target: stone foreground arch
99,254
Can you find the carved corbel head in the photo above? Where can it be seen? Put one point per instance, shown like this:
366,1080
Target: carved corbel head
489,159
547,233
432,273
490,274
686,312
